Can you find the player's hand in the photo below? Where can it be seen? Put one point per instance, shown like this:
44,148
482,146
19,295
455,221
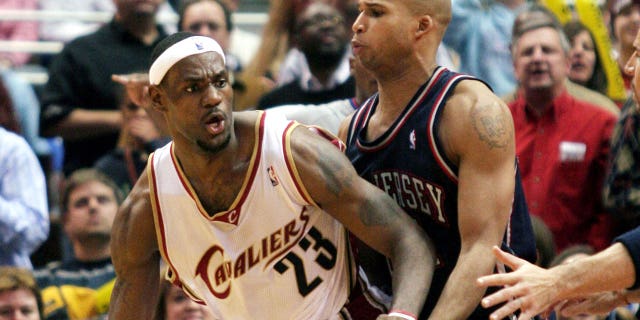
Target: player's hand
599,303
528,288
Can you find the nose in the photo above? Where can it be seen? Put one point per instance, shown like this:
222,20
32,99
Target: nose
358,25
630,67
538,54
212,96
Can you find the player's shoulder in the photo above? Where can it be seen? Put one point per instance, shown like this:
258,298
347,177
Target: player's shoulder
470,95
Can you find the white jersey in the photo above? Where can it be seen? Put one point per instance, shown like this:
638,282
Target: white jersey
272,255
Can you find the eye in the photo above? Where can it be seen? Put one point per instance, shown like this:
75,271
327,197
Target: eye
374,12
193,88
221,83
104,199
81,203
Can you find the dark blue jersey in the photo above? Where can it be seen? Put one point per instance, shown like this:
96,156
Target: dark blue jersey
408,162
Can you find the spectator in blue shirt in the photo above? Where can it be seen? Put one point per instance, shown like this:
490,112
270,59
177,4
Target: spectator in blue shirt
24,217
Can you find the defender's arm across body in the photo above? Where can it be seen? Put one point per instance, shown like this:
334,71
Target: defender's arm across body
478,135
135,256
369,213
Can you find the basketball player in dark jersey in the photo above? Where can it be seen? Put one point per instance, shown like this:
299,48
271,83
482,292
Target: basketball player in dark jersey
442,145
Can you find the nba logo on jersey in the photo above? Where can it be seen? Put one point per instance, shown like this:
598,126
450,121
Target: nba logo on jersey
412,139
272,176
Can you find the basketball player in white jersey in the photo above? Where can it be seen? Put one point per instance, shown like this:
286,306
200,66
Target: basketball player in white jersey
245,208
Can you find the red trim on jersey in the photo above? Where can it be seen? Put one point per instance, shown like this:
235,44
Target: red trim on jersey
430,130
234,210
161,228
395,129
290,166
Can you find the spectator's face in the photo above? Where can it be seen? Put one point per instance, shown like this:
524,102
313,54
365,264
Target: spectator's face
206,18
322,33
539,61
91,209
132,8
180,307
19,304
626,24
632,68
582,57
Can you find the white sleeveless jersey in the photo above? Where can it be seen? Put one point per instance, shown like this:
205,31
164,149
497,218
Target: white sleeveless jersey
272,255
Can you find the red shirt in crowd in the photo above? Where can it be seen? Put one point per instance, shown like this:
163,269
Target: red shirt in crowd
563,160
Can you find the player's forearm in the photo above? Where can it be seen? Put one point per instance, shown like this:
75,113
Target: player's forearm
592,274
413,260
460,296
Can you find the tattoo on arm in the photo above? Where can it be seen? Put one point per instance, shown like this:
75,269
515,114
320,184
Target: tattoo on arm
333,173
377,211
490,126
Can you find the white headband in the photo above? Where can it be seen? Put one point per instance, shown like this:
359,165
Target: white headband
180,50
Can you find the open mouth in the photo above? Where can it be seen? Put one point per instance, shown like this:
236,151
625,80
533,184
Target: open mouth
215,123
578,66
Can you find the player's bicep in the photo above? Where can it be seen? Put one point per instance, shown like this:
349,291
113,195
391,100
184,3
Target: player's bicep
482,136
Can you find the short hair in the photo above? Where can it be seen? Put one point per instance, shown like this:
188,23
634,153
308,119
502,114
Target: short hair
167,42
536,17
184,4
82,176
15,278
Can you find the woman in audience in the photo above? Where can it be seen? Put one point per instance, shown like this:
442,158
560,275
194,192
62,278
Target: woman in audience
586,64
174,304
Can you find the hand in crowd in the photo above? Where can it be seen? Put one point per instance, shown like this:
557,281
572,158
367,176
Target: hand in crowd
137,86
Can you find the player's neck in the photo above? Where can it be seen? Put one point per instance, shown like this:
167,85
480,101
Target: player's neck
397,90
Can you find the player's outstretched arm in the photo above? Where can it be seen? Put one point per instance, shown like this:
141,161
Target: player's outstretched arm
369,213
135,256
535,290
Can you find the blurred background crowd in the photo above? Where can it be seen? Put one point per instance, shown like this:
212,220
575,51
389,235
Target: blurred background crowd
73,142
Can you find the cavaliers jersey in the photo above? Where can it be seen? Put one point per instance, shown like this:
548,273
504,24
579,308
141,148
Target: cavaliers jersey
408,162
272,255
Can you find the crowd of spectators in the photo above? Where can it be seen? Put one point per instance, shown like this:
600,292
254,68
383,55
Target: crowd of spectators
577,146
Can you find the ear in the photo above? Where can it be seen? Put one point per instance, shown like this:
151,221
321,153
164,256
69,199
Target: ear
426,23
157,96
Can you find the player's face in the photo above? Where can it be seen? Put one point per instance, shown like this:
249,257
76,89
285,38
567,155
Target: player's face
632,68
539,60
583,57
196,97
381,34
179,307
19,304
91,210
206,18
